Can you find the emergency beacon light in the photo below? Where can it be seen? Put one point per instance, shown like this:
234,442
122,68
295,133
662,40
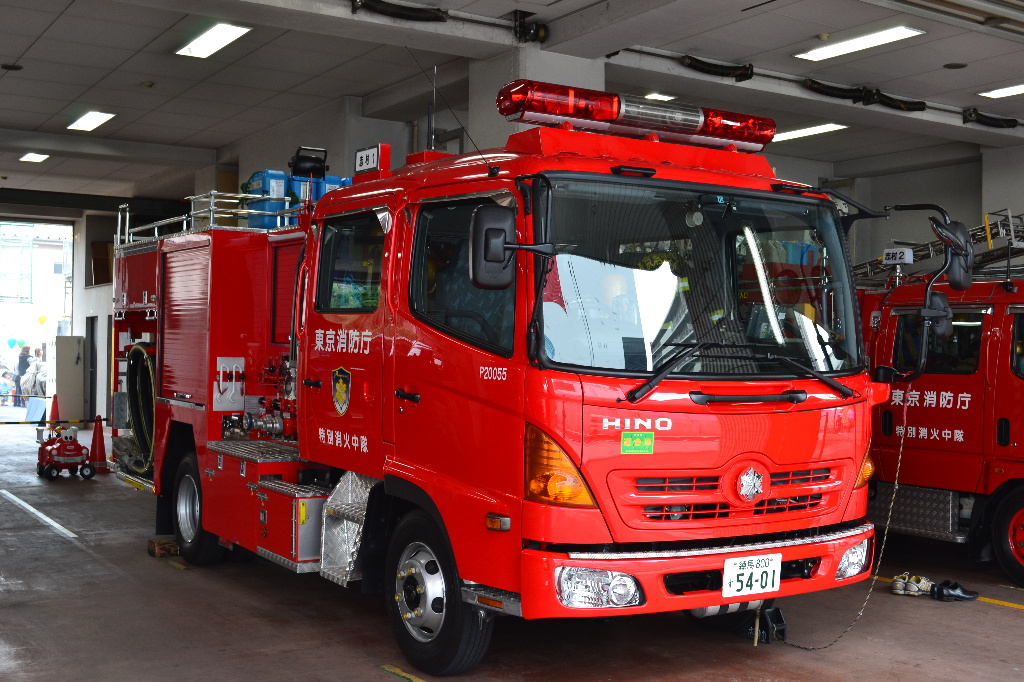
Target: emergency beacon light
525,101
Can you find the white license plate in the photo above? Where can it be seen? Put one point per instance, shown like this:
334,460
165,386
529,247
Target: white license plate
751,575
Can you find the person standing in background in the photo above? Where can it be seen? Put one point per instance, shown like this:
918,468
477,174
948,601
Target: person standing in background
6,387
25,360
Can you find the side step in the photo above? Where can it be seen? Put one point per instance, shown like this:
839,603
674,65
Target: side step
344,518
924,512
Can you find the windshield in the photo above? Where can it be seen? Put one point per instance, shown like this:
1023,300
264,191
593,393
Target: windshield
643,272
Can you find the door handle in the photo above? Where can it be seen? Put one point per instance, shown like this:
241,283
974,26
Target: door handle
1003,432
404,395
312,383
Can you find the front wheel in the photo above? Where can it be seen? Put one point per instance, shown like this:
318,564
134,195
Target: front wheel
1008,535
87,471
196,545
438,632
51,472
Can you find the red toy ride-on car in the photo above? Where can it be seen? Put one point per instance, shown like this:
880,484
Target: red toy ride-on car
63,451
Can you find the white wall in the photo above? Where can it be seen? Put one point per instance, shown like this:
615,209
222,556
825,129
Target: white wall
338,127
486,78
955,188
91,301
800,170
1003,179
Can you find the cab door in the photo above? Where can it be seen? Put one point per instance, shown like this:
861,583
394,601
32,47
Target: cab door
1007,410
940,418
341,341
459,392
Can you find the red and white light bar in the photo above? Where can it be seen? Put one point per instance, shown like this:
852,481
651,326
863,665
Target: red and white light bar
525,101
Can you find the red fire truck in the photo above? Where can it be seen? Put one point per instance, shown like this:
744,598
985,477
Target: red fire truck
599,371
950,434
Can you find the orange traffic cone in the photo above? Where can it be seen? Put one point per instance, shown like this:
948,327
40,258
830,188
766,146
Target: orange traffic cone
98,450
54,414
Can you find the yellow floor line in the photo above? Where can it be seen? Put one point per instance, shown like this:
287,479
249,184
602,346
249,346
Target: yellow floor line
398,672
1002,603
997,602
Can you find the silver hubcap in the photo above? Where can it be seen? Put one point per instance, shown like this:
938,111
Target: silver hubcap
420,592
188,509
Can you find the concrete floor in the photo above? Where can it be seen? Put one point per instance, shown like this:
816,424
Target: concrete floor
96,606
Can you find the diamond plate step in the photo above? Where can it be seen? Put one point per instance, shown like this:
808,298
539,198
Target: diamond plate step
256,450
924,512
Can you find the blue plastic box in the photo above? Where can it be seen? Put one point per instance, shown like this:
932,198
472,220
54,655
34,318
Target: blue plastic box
332,182
270,183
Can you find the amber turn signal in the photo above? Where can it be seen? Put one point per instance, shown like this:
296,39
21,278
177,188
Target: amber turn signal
867,470
551,477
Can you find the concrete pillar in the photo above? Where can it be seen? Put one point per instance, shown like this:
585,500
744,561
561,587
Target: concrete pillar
1002,179
487,128
220,177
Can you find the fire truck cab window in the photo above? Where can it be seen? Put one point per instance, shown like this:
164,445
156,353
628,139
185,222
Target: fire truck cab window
643,272
956,354
441,292
350,263
1017,358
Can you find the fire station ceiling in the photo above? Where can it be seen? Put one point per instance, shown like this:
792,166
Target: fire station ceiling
174,114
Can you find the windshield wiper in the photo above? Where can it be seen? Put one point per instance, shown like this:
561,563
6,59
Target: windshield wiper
637,394
842,389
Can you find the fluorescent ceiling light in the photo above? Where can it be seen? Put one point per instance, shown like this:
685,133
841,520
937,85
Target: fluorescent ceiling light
91,121
862,43
659,97
214,39
1004,92
804,132
34,158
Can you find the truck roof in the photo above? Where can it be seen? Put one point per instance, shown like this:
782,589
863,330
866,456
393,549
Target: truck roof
551,149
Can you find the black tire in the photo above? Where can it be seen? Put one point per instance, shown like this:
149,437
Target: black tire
39,469
87,471
51,472
196,545
438,632
1008,535
73,470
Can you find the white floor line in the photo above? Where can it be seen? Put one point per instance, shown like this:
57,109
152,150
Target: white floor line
41,516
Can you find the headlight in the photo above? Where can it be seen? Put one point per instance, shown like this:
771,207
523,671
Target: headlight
591,588
854,561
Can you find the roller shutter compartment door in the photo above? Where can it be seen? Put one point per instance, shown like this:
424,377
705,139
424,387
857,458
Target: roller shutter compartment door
185,340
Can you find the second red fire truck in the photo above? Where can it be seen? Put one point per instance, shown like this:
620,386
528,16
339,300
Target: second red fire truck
611,368
950,433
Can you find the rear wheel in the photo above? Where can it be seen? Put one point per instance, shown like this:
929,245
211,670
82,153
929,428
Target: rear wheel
73,470
438,632
1008,535
196,545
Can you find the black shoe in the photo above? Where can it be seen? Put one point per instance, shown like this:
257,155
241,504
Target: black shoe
950,591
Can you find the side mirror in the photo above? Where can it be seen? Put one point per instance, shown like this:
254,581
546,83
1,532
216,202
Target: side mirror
957,239
937,308
884,374
492,231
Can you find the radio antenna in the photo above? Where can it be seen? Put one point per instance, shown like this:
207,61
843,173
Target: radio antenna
492,171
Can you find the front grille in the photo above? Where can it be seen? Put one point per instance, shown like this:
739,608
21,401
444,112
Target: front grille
788,504
711,581
682,497
804,476
686,512
676,485
693,581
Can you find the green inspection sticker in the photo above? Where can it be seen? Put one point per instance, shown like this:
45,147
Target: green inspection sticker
637,443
